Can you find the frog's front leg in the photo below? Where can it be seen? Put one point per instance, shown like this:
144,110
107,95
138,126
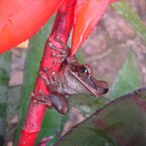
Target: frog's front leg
52,85
64,52
41,99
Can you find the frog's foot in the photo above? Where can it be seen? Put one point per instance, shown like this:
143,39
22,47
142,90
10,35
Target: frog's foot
51,83
64,52
41,99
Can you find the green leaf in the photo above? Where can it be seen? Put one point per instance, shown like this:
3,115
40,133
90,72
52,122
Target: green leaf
5,62
88,104
128,78
80,56
124,10
13,102
52,119
12,111
119,123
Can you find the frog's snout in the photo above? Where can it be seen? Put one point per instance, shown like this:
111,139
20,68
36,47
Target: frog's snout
104,87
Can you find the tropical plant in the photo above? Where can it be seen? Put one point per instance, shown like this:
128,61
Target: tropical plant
114,119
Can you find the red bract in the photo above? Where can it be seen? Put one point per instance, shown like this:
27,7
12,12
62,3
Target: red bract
22,19
87,15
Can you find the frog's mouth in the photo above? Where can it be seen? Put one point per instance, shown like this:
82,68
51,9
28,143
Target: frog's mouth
103,85
95,87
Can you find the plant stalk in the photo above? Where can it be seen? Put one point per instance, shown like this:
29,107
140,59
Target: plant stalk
62,27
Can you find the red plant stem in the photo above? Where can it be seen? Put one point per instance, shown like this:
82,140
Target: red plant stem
62,27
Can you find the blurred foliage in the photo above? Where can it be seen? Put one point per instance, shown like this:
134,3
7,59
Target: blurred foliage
12,111
5,62
124,9
128,78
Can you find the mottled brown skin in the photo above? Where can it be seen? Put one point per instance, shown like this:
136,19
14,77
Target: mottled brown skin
71,79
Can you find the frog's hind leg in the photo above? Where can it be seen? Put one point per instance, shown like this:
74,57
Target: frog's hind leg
67,51
57,39
41,99
50,45
64,52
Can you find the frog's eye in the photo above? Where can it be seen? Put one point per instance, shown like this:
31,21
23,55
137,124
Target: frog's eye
84,72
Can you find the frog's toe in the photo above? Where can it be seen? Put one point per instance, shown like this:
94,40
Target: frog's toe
53,55
49,45
40,73
45,69
31,94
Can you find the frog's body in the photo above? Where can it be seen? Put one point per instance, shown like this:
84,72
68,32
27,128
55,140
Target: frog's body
71,79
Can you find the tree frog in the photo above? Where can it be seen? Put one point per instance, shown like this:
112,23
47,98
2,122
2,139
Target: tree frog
72,78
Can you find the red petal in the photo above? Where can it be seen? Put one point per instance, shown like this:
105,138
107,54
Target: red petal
21,19
78,8
87,19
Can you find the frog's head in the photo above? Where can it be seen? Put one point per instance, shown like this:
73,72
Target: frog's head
84,74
